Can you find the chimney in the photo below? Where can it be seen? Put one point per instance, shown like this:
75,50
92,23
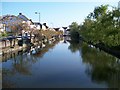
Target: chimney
20,13
30,20
44,24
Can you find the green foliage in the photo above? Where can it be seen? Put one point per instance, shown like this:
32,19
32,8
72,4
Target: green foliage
3,34
103,67
75,46
102,26
74,31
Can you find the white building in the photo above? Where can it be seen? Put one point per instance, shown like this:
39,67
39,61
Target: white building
38,25
30,27
44,26
61,29
2,27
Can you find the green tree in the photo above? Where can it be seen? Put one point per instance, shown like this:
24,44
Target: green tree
74,31
102,25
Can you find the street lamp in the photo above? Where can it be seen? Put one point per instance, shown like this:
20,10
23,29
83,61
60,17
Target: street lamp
39,15
119,5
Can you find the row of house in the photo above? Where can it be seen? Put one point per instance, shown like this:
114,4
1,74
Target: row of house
7,21
41,26
38,25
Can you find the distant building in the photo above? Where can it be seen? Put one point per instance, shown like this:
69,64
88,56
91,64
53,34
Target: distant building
65,30
44,26
41,26
52,29
56,29
4,27
61,29
38,25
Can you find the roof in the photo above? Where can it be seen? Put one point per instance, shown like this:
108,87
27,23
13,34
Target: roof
64,27
37,23
68,30
23,17
56,29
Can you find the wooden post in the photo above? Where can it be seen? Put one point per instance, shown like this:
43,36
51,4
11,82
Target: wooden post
10,43
14,43
5,43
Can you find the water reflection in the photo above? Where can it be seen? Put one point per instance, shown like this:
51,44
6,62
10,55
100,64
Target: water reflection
46,49
102,66
75,46
17,65
62,64
21,63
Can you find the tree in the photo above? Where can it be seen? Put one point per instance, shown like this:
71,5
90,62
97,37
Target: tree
74,31
102,26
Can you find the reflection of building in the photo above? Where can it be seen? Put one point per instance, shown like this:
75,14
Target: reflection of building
66,38
66,31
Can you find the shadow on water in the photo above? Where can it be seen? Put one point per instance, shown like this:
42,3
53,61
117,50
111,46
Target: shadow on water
101,67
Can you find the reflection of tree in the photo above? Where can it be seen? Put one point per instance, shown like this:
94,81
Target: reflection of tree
46,49
5,82
22,64
74,46
102,67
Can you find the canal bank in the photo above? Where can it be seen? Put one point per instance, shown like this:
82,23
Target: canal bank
34,49
113,50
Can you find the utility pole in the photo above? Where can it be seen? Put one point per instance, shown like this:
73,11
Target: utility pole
119,5
39,15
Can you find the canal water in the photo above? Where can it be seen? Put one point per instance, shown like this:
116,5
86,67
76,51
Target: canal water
62,65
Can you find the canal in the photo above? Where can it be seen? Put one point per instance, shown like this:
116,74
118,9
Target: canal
62,65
